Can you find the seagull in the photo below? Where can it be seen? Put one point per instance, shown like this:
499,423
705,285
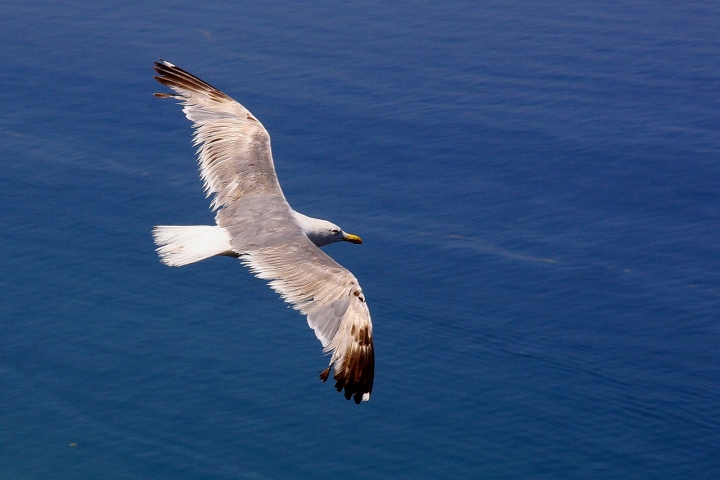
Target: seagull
255,223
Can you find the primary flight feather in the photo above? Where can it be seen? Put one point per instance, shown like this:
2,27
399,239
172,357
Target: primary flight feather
256,224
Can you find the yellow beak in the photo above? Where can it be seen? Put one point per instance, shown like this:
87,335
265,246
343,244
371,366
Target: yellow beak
349,237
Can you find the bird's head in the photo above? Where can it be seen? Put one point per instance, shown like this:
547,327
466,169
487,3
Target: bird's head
327,233
322,232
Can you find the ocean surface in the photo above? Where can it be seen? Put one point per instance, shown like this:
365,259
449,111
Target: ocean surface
537,185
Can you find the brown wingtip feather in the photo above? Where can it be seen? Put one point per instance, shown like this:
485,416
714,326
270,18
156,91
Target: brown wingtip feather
357,373
324,374
175,77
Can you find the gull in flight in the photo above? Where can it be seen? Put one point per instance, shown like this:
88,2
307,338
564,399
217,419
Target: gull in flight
256,224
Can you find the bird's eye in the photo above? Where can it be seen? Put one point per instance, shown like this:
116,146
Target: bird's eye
334,231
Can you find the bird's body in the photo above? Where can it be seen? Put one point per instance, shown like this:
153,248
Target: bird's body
256,224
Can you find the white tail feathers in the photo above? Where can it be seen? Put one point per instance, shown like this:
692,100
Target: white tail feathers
182,245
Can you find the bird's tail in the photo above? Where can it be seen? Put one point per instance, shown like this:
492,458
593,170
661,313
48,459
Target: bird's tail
182,245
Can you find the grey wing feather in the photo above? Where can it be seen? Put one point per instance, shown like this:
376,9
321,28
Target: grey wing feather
332,299
234,151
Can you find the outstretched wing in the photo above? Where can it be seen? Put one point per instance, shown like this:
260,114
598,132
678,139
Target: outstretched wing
234,148
275,249
335,306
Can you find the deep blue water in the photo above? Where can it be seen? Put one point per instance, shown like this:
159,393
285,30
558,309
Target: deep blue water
537,185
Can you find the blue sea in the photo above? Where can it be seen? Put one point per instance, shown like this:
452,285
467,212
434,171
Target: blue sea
537,185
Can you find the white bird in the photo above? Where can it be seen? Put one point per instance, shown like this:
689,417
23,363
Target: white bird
256,224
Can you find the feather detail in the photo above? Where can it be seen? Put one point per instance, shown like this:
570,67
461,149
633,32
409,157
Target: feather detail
182,245
234,153
335,307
